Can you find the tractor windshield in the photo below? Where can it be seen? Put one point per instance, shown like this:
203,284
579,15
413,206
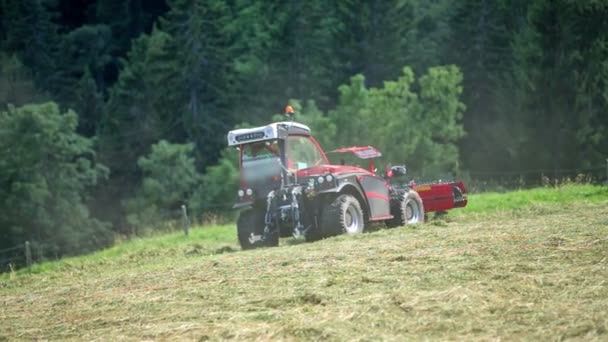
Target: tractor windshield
260,161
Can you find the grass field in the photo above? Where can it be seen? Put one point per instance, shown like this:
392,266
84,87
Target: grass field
529,265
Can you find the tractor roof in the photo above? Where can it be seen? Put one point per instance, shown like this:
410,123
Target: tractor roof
277,130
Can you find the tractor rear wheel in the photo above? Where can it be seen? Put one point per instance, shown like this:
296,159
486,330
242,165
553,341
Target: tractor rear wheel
250,227
343,216
406,208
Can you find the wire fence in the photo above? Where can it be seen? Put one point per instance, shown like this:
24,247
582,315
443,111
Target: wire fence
13,257
479,181
475,181
11,249
25,255
540,171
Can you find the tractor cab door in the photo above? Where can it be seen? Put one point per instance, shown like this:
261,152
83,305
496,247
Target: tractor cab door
376,191
303,152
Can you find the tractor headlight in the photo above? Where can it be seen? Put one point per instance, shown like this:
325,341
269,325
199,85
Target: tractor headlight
249,192
320,179
241,193
329,178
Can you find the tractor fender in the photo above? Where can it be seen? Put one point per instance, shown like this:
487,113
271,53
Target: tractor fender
351,186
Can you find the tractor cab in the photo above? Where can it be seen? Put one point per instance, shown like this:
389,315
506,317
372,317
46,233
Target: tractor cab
273,156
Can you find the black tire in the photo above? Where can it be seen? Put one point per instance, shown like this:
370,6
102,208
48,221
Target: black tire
343,216
252,221
314,234
317,231
406,208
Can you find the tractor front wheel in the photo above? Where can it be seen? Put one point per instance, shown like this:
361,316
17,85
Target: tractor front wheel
343,216
250,228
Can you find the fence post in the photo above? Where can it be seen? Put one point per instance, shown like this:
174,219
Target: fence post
39,253
28,254
185,219
606,171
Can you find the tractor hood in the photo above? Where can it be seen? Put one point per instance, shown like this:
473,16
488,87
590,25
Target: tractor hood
333,169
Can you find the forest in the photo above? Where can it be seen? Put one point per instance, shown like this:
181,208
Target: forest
114,113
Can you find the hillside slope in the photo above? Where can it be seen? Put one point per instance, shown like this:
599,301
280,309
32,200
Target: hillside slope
527,271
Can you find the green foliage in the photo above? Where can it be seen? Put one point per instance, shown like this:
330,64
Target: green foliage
379,34
559,58
126,19
201,44
533,76
45,169
420,127
217,189
480,44
169,177
83,56
86,48
16,83
140,110
308,62
256,49
441,120
32,34
404,125
88,101
141,105
309,114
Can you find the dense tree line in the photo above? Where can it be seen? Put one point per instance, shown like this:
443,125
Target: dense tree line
114,112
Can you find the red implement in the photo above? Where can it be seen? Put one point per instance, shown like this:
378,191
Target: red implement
443,196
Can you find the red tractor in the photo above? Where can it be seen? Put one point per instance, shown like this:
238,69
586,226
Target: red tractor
289,187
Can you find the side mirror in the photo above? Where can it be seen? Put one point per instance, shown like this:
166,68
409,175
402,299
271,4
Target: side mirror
398,171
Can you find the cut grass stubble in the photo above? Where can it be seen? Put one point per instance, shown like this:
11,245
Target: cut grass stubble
532,272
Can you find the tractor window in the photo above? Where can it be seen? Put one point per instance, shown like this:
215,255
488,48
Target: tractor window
259,151
302,153
260,161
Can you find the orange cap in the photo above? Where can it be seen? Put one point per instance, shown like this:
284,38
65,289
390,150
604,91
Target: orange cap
289,110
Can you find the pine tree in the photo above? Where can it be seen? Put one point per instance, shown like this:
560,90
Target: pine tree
46,170
32,34
141,110
88,101
202,50
482,34
16,83
307,64
169,179
375,37
79,79
562,60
